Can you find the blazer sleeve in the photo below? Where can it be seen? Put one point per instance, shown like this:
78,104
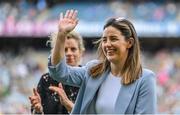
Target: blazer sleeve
61,72
147,98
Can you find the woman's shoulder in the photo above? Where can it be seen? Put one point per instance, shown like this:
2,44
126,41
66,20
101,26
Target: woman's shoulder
147,72
147,76
92,63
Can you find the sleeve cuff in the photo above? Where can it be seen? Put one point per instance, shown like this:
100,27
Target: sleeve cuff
55,68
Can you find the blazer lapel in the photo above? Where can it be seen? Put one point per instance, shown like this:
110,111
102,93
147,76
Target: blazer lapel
124,98
91,88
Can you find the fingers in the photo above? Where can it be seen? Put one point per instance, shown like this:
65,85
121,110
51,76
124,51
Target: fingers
68,21
53,88
34,91
34,102
74,14
67,14
37,107
76,21
31,98
59,90
34,99
60,85
61,16
71,14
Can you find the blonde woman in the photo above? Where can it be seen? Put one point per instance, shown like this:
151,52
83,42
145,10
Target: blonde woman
51,97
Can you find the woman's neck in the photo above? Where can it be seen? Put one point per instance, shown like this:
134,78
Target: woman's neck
117,67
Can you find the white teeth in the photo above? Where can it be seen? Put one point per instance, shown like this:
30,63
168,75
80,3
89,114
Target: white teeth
110,50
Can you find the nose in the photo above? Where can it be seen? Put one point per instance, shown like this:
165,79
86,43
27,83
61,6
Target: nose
68,52
108,43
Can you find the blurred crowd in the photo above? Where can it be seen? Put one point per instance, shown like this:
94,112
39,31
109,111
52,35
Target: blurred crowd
161,17
166,65
149,11
21,72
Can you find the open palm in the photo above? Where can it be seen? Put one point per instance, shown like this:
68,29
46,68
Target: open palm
68,21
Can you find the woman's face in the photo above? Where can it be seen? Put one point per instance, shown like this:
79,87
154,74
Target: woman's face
72,52
114,45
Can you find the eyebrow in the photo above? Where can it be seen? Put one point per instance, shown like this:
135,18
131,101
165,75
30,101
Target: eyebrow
113,36
109,36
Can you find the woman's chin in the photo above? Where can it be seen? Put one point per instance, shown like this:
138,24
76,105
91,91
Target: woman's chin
71,63
110,58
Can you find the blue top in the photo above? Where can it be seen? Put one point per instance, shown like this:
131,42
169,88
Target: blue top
136,98
108,91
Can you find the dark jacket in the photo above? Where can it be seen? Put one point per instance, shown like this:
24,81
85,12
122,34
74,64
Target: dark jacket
50,100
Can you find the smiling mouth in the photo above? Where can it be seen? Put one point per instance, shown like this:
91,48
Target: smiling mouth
69,60
110,51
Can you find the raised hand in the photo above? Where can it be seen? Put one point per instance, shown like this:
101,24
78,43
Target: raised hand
68,21
35,101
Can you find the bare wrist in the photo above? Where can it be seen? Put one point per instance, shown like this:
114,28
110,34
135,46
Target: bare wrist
62,35
63,32
69,105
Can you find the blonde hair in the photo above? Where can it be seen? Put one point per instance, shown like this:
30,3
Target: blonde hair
132,68
71,35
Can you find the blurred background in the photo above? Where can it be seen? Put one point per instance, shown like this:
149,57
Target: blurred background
26,24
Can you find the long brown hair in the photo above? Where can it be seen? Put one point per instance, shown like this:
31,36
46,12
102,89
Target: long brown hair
132,68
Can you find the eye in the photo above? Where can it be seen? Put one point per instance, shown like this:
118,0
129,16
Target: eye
113,38
73,49
104,39
66,49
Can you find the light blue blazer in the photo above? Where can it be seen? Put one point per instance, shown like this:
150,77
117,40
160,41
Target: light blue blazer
136,98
